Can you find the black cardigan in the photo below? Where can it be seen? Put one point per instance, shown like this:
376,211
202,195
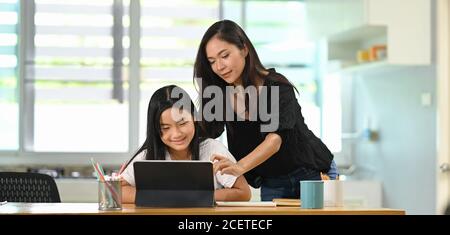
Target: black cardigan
299,148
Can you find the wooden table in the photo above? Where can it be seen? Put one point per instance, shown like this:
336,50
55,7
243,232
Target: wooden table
130,209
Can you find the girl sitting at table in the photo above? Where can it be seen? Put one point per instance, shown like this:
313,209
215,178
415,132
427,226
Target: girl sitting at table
172,134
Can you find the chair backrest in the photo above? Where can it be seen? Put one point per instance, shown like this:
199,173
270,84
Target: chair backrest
28,187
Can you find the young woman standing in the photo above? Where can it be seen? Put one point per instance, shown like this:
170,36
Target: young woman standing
274,160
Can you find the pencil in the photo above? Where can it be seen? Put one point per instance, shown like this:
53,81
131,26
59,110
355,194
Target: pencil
122,168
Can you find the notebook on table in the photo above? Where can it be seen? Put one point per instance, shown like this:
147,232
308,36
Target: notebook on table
246,204
286,202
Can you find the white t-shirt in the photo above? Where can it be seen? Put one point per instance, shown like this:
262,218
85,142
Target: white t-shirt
207,148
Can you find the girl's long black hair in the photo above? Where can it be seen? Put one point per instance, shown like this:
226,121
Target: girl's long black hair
165,98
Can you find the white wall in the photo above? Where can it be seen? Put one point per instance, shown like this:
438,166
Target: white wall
404,158
77,190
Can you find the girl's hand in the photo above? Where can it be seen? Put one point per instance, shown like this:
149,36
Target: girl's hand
225,166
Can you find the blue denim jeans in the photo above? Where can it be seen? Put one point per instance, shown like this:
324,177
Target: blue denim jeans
333,172
286,186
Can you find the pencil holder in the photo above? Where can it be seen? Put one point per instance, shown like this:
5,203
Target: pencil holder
109,195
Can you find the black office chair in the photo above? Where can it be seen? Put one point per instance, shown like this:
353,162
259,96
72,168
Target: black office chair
28,187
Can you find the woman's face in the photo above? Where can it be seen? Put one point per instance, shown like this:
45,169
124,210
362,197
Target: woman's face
226,60
177,129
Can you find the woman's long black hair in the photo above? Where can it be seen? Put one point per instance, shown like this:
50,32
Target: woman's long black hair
163,99
232,33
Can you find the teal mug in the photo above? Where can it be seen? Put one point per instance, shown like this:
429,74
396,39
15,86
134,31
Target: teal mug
311,194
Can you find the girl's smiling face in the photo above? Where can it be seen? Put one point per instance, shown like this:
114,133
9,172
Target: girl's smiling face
177,129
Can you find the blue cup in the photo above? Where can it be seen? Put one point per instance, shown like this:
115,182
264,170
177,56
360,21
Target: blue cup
311,194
